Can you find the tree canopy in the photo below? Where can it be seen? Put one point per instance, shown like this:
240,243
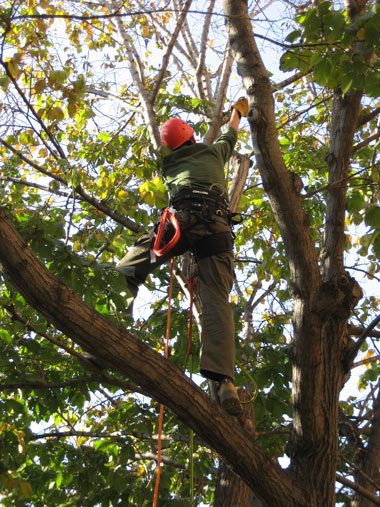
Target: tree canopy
84,88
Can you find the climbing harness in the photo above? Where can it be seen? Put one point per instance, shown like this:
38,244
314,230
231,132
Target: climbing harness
206,206
204,202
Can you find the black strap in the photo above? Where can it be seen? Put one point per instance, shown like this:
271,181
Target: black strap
214,244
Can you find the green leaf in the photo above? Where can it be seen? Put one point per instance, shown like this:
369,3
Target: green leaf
372,217
294,35
355,202
322,71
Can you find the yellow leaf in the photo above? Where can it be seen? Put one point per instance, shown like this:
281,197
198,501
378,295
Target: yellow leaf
369,354
146,32
40,85
122,194
72,109
361,34
13,69
26,489
3,427
82,440
144,189
56,113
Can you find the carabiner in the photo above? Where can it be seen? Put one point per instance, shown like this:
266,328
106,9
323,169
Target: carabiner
167,214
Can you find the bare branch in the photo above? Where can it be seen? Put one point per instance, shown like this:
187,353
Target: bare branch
191,48
19,181
355,349
169,50
290,80
83,357
366,142
137,71
359,489
48,385
201,74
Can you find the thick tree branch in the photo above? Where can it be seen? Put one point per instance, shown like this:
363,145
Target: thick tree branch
157,376
343,125
359,330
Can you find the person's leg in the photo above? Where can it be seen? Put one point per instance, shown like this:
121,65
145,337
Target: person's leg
137,264
218,335
217,359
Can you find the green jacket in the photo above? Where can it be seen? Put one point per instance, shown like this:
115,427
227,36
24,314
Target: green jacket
199,165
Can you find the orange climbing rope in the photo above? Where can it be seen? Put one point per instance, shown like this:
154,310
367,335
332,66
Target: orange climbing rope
155,497
189,355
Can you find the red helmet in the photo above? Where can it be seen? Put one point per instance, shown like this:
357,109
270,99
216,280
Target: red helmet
175,132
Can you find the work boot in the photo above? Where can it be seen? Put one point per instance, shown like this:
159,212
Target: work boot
228,397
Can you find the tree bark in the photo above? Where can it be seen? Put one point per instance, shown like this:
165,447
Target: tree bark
230,489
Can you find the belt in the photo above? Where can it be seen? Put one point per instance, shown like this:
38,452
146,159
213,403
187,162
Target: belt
194,198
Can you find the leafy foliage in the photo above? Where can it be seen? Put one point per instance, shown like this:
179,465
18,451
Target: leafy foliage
77,159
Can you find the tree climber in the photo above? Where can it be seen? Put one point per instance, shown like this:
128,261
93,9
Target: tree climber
194,176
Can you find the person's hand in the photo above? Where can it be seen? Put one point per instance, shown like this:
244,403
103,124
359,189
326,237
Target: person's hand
241,106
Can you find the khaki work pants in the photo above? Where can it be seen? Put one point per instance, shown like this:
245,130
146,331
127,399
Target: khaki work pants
217,358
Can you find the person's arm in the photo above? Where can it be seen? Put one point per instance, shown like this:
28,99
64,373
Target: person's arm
235,119
239,109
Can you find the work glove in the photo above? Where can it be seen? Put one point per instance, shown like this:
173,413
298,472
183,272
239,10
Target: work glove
241,106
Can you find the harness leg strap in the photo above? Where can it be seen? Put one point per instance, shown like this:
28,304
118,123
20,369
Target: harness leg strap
214,244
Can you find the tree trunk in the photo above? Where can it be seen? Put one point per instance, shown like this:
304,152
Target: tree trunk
321,306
